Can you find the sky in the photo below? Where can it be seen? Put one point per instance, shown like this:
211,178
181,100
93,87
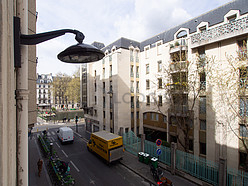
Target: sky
106,21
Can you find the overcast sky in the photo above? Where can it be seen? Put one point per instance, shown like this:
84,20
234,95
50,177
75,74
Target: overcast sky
106,21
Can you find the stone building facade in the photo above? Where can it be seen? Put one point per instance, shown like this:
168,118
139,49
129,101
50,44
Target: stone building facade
128,89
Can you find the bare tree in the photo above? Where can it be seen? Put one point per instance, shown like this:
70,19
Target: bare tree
232,86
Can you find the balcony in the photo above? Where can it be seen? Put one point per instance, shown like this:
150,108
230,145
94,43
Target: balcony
178,45
179,66
218,33
179,109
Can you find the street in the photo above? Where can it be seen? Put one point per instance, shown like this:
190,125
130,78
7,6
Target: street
85,167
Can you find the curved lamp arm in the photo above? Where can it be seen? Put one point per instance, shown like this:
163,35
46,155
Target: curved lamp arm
39,38
22,39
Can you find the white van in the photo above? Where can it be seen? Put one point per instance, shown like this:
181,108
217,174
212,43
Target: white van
65,134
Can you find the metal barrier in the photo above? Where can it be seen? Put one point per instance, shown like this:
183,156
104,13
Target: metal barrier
132,143
236,177
198,167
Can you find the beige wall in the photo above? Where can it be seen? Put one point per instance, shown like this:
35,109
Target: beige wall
32,114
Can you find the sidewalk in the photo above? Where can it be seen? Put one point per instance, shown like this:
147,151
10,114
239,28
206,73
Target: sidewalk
34,154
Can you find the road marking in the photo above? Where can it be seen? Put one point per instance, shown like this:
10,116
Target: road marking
57,144
78,134
48,133
85,140
64,153
52,139
74,166
53,133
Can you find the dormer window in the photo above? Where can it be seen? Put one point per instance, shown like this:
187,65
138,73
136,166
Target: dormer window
182,34
232,18
204,28
232,15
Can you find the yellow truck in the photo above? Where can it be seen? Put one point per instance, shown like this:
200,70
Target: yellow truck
107,145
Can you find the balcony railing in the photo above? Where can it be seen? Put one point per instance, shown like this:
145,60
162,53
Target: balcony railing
131,74
179,66
224,30
137,75
137,59
178,87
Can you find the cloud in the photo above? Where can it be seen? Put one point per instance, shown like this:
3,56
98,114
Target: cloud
107,21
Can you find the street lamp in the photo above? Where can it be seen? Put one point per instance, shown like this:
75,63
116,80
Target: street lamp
79,53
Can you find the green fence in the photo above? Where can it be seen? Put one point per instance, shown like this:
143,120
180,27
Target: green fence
165,156
132,143
236,177
198,167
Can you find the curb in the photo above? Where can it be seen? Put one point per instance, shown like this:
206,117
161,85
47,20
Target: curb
136,172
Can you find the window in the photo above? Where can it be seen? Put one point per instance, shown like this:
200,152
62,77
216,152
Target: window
132,101
103,73
110,86
137,102
103,87
243,77
159,46
147,84
151,116
132,87
132,115
160,101
243,107
182,34
243,131
159,83
95,86
191,145
146,52
137,86
201,57
104,102
165,119
95,73
203,105
131,55
95,112
242,49
203,148
110,70
203,125
203,28
137,115
145,116
159,66
131,71
203,81
157,117
137,72
147,69
95,100
147,100
232,18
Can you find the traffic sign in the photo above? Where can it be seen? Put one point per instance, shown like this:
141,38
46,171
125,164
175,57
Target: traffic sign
158,142
158,152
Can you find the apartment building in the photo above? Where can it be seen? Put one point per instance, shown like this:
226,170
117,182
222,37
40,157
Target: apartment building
44,91
180,84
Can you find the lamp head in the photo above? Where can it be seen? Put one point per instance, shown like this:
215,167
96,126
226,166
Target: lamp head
80,53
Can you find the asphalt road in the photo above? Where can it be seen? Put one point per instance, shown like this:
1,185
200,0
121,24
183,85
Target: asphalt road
89,169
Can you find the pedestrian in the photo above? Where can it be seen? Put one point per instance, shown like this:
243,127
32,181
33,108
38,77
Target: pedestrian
39,164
